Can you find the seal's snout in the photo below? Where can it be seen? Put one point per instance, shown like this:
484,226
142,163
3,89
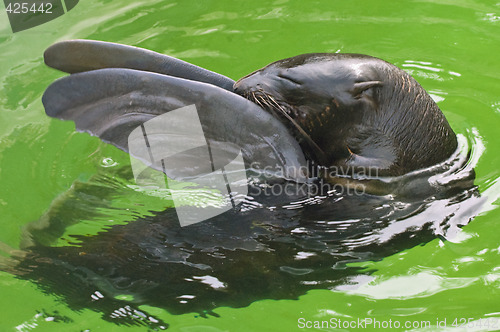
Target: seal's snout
240,87
248,84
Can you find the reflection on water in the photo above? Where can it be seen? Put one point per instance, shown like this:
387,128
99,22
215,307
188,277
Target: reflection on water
269,250
428,70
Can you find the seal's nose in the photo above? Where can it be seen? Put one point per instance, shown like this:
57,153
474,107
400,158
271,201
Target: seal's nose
244,85
238,87
250,82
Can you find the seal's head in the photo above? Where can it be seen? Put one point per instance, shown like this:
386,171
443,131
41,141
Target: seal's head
353,111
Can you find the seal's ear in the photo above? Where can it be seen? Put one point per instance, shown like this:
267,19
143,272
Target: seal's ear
361,87
75,56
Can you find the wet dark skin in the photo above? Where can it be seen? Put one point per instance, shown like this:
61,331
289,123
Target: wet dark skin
347,111
353,112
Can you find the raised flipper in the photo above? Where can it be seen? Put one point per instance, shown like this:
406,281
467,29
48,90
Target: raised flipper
74,56
112,103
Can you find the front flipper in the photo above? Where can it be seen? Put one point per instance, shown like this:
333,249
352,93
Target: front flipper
74,56
112,103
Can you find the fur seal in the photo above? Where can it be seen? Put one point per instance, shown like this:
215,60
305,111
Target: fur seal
347,111
354,112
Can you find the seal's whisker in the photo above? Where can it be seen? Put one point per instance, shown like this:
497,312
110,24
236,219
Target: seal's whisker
255,98
276,106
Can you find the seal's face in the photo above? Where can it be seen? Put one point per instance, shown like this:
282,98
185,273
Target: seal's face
323,96
353,111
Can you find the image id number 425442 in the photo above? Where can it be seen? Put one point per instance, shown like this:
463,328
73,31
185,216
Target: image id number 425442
25,8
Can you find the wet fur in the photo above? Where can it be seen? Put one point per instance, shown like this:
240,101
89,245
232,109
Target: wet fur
390,123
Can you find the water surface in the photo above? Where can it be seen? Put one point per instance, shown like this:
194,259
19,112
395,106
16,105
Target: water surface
449,47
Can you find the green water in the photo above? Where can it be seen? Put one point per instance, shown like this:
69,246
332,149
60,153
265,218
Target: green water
450,47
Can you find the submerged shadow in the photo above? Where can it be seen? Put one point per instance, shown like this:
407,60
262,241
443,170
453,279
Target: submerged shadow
267,250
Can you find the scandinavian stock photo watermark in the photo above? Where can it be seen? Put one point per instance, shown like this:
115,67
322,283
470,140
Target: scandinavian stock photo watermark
369,323
174,144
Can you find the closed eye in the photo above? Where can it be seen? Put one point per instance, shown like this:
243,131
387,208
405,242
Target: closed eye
288,78
361,87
